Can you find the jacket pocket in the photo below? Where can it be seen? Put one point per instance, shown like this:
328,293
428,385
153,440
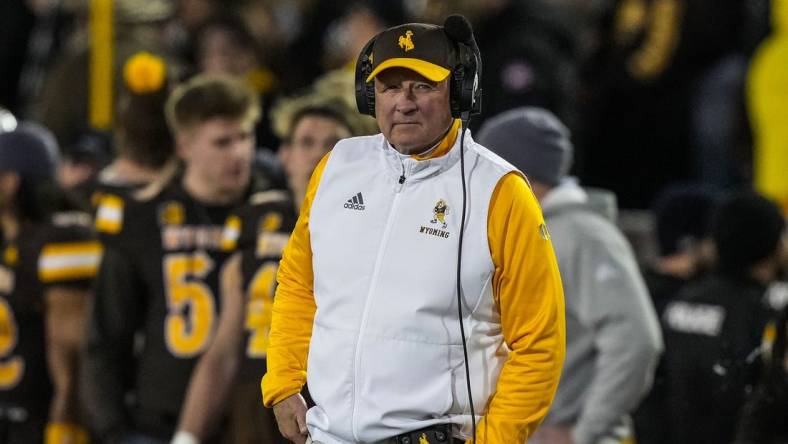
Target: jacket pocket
329,377
402,382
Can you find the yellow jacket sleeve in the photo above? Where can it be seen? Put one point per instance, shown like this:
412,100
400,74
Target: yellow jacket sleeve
294,308
527,289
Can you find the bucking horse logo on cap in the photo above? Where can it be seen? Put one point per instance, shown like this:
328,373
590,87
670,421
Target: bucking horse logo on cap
405,41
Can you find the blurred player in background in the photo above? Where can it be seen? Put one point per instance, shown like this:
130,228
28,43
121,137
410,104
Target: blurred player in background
47,261
159,279
142,141
259,232
713,329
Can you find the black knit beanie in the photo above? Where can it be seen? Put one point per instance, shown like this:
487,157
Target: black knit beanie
30,150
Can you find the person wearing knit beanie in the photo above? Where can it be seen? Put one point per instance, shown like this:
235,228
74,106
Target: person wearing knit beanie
30,151
48,260
28,163
604,377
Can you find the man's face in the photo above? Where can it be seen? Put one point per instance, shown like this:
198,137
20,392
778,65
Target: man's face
312,137
412,111
219,151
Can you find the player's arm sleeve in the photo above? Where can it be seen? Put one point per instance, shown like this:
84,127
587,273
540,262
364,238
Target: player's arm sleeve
294,308
214,375
614,304
114,315
67,264
527,288
109,214
65,316
69,258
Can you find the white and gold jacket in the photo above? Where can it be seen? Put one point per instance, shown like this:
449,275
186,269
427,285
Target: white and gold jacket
366,306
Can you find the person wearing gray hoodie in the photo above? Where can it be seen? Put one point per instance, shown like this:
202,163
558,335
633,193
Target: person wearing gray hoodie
612,332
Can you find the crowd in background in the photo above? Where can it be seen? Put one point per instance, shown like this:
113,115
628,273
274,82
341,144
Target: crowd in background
652,90
672,105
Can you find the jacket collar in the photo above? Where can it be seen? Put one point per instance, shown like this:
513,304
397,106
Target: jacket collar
442,157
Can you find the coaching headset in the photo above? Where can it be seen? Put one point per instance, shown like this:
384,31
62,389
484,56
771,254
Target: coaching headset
465,100
465,94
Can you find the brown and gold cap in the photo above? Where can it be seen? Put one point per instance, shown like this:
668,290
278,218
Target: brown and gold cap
420,47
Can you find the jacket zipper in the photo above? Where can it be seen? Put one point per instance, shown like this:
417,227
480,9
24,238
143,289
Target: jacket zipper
372,287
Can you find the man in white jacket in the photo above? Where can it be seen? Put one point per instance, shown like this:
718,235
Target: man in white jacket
613,336
367,307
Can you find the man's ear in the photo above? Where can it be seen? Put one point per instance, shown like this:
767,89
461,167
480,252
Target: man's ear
9,185
283,153
183,144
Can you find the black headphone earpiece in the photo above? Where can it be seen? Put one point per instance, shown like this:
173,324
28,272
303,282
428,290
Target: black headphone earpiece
466,93
365,91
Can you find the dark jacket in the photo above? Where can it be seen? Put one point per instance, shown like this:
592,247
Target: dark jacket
713,334
652,422
763,418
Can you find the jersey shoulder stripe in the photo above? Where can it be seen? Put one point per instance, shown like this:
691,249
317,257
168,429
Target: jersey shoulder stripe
69,261
109,214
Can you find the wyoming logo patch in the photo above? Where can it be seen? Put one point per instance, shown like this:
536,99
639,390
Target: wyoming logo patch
406,41
439,213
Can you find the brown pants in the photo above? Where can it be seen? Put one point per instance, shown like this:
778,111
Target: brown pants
248,421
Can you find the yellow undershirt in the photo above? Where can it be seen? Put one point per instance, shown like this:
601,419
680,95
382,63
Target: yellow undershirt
444,145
